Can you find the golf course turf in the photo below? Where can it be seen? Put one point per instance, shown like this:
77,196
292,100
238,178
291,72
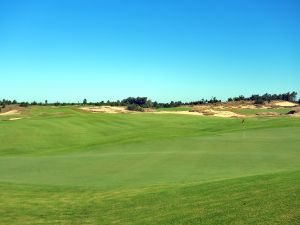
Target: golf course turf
61,165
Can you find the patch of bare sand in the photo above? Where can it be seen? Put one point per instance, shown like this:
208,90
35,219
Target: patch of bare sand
179,112
11,112
211,111
284,104
226,106
248,107
272,114
16,118
225,114
206,112
106,109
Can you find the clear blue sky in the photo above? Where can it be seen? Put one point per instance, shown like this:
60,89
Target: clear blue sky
166,50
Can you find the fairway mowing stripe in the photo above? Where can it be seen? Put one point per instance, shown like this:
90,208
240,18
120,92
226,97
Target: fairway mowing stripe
151,188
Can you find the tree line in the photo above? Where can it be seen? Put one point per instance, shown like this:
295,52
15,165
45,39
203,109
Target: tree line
140,103
260,99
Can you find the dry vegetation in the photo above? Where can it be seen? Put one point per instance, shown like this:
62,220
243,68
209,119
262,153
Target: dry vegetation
106,109
225,109
11,110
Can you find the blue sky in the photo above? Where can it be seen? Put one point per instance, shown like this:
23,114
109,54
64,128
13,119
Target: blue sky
166,50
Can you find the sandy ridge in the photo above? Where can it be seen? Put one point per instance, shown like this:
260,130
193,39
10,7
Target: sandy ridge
11,112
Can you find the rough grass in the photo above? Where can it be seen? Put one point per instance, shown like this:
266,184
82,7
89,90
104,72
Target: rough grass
65,166
254,111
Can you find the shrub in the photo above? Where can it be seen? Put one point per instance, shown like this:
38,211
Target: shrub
259,101
134,107
24,104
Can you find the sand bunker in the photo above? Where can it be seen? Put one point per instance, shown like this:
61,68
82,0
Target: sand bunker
251,105
210,111
218,110
106,109
120,109
180,112
267,114
225,114
284,104
11,112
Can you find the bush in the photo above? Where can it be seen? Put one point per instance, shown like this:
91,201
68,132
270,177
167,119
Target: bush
259,101
24,104
134,107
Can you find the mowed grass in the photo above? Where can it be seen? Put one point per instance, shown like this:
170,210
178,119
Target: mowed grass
65,166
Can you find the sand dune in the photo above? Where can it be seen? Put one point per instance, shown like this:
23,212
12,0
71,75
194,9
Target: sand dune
11,112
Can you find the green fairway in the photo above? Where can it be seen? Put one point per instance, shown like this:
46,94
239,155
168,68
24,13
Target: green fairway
60,165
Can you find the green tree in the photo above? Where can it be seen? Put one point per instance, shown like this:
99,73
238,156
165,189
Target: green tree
259,100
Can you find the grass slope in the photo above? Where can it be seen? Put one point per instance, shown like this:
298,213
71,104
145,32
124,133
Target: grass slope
64,166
